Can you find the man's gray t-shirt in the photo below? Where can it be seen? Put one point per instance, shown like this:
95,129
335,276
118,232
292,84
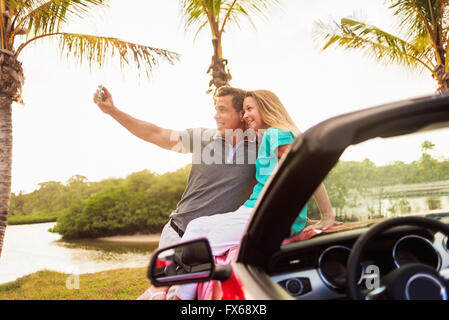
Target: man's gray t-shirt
221,179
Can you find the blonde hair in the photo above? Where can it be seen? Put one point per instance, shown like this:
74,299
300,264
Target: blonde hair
273,111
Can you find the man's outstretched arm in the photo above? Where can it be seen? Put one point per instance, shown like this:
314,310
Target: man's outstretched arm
164,138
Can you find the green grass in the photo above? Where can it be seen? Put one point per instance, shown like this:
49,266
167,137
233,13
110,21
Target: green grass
119,284
30,219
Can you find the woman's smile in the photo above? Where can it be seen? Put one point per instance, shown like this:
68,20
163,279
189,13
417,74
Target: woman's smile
250,122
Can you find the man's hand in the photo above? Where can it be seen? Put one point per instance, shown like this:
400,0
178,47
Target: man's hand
106,104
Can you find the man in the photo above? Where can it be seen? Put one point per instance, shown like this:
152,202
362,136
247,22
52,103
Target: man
223,162
223,159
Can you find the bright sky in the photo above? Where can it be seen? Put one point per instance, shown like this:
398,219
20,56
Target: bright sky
60,132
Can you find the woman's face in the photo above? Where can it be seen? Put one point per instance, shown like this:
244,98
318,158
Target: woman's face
251,115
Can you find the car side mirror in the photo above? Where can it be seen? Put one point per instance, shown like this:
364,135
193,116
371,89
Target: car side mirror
185,262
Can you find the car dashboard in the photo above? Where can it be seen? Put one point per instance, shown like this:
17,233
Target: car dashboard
315,269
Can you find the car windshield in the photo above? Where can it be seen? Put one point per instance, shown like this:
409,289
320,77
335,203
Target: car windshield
384,178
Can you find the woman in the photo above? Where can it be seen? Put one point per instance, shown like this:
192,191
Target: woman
265,114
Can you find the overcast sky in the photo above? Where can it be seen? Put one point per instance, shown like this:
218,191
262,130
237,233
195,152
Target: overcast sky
60,132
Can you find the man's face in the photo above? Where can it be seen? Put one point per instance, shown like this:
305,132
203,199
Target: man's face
226,116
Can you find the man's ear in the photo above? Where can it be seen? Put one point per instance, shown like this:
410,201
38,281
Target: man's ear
241,114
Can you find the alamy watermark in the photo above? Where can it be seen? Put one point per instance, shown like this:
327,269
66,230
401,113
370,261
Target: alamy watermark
371,275
72,282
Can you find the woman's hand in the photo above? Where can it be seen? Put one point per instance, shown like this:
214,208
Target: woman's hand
323,224
327,213
106,104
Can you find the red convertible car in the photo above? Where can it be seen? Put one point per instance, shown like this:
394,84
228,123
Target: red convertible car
386,170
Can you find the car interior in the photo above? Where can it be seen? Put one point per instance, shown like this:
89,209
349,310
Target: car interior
317,268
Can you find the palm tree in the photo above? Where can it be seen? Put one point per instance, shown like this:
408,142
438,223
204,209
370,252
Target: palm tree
217,14
427,146
425,46
38,19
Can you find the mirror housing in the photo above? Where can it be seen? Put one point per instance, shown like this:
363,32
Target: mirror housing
186,262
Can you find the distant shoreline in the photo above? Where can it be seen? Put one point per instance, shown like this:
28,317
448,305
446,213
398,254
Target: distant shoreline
28,220
132,238
141,238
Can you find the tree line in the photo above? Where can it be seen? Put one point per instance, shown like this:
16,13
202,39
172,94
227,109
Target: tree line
143,201
367,179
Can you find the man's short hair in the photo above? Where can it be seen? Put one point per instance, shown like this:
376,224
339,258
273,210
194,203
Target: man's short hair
238,95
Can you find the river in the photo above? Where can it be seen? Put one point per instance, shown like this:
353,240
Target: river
31,248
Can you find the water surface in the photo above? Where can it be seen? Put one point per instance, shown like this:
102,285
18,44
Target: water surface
31,248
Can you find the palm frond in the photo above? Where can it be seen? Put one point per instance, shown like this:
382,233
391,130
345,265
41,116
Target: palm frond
375,43
95,50
247,8
20,3
2,25
199,29
419,17
44,17
195,12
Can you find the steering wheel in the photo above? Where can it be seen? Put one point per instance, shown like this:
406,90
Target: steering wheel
408,282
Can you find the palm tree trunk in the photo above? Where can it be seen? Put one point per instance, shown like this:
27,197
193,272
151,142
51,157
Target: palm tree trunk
5,163
220,76
11,81
442,78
